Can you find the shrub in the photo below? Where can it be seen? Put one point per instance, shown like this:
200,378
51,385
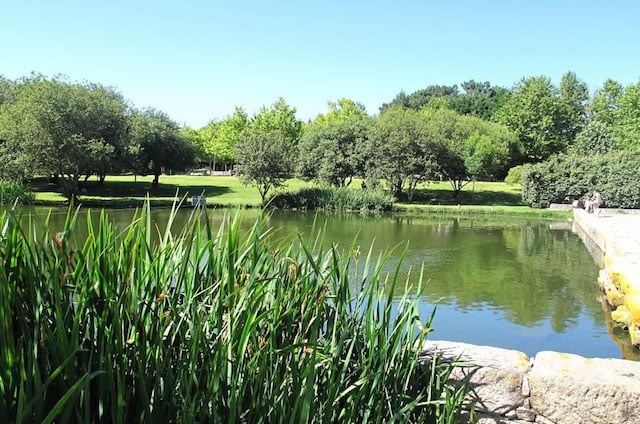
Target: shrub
11,191
333,198
514,176
207,326
565,178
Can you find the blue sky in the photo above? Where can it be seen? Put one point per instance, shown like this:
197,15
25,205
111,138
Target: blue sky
196,60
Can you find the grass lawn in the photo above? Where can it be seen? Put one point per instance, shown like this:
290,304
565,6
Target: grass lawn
227,191
128,190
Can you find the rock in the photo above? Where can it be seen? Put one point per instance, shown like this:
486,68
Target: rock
496,375
526,414
526,390
621,315
571,389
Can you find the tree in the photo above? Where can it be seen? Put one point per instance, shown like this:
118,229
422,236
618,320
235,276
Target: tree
626,127
159,143
604,103
6,90
331,151
420,99
279,117
573,95
59,128
216,142
265,159
400,151
479,99
594,138
267,149
534,112
467,146
483,158
341,110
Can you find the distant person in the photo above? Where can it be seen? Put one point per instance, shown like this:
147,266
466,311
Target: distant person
593,202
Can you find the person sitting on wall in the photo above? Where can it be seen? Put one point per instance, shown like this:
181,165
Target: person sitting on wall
593,202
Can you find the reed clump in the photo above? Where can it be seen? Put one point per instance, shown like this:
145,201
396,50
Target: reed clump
206,325
333,198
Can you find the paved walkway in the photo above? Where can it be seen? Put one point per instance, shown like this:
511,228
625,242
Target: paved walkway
617,235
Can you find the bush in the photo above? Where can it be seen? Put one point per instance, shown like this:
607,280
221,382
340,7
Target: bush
514,176
332,198
208,325
565,178
11,191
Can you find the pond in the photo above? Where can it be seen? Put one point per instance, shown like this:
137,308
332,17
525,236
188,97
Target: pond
519,284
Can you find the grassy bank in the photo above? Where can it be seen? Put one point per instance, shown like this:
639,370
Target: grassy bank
209,325
225,191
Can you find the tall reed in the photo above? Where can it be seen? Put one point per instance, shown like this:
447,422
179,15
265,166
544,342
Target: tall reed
206,325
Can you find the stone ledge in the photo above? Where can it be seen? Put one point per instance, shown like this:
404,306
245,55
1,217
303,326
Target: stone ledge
571,389
508,387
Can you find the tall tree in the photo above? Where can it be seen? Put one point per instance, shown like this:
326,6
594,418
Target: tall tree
574,94
534,112
55,127
265,159
332,151
399,150
279,117
341,110
468,146
160,144
268,147
479,99
626,126
604,103
420,99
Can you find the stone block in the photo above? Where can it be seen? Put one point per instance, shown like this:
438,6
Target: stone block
496,375
570,389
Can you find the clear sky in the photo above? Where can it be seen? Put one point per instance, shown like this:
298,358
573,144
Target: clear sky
196,60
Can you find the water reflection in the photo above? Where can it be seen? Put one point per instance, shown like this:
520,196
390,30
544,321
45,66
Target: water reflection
518,284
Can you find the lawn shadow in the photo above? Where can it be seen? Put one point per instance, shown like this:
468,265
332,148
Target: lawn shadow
466,197
142,188
129,190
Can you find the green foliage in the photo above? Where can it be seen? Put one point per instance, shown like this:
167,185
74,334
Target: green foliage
332,151
604,103
159,144
11,191
265,159
279,117
626,126
207,325
400,151
595,138
478,99
217,141
573,95
55,127
564,178
514,176
461,154
342,110
535,112
334,198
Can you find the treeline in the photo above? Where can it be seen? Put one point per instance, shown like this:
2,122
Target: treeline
50,126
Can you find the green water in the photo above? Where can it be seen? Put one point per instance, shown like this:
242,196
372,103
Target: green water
528,285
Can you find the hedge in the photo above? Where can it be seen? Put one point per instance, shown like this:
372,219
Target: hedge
564,178
332,198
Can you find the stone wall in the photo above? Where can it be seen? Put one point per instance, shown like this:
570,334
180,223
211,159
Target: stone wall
509,387
613,238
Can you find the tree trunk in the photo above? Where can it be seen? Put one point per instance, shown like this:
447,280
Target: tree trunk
156,181
101,178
